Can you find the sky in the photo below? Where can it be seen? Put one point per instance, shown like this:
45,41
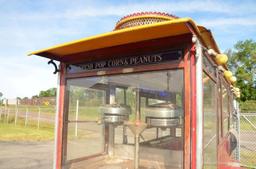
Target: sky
28,25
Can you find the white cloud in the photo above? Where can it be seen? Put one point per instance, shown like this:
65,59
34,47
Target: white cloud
110,9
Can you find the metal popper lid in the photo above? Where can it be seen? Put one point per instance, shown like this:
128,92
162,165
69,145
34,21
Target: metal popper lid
163,115
115,109
163,110
115,113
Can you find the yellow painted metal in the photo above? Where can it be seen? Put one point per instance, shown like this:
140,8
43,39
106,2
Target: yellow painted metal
236,91
129,35
208,38
221,59
227,74
232,79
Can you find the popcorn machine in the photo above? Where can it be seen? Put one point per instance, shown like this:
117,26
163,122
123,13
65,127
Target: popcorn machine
133,98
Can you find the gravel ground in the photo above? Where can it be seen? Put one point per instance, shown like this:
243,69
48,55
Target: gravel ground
26,155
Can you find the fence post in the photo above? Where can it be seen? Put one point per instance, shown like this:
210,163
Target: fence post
77,110
238,130
38,117
26,118
5,108
8,114
1,113
16,115
4,112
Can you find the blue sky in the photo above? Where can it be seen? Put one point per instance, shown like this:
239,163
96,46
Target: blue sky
27,25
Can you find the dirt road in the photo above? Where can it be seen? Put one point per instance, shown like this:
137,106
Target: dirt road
26,155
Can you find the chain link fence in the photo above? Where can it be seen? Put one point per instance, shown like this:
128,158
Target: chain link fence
248,139
27,115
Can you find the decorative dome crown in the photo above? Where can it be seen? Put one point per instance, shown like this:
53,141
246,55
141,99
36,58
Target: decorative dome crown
143,18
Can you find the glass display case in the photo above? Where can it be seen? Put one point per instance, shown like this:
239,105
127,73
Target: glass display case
154,93
109,109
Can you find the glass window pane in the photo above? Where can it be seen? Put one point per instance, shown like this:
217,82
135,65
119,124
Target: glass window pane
88,140
224,100
85,132
208,66
225,104
210,123
101,110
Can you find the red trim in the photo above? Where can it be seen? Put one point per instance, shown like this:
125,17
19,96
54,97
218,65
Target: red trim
224,159
60,116
187,103
193,106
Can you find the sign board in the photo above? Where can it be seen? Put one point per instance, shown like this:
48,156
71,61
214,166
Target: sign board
128,61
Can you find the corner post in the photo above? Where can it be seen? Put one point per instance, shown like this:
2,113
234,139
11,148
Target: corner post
59,117
199,104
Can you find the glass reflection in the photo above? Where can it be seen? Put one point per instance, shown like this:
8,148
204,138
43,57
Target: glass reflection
100,109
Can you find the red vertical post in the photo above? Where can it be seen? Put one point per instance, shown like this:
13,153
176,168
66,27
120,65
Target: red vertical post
60,117
187,109
193,106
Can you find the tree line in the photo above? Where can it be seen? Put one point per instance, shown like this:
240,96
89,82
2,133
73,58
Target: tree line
51,92
242,63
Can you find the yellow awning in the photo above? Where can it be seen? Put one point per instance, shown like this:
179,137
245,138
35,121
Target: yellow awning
129,35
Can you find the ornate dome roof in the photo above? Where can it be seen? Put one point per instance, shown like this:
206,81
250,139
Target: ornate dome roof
143,18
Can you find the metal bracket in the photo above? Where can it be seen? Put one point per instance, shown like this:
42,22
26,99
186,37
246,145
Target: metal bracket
55,66
68,67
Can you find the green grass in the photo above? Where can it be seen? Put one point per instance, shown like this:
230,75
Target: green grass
248,106
246,158
85,113
20,132
245,125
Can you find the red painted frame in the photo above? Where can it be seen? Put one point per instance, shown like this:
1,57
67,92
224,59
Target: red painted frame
193,105
60,116
164,66
189,66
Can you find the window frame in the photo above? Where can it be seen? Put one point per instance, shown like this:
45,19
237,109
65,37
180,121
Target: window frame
215,81
173,65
